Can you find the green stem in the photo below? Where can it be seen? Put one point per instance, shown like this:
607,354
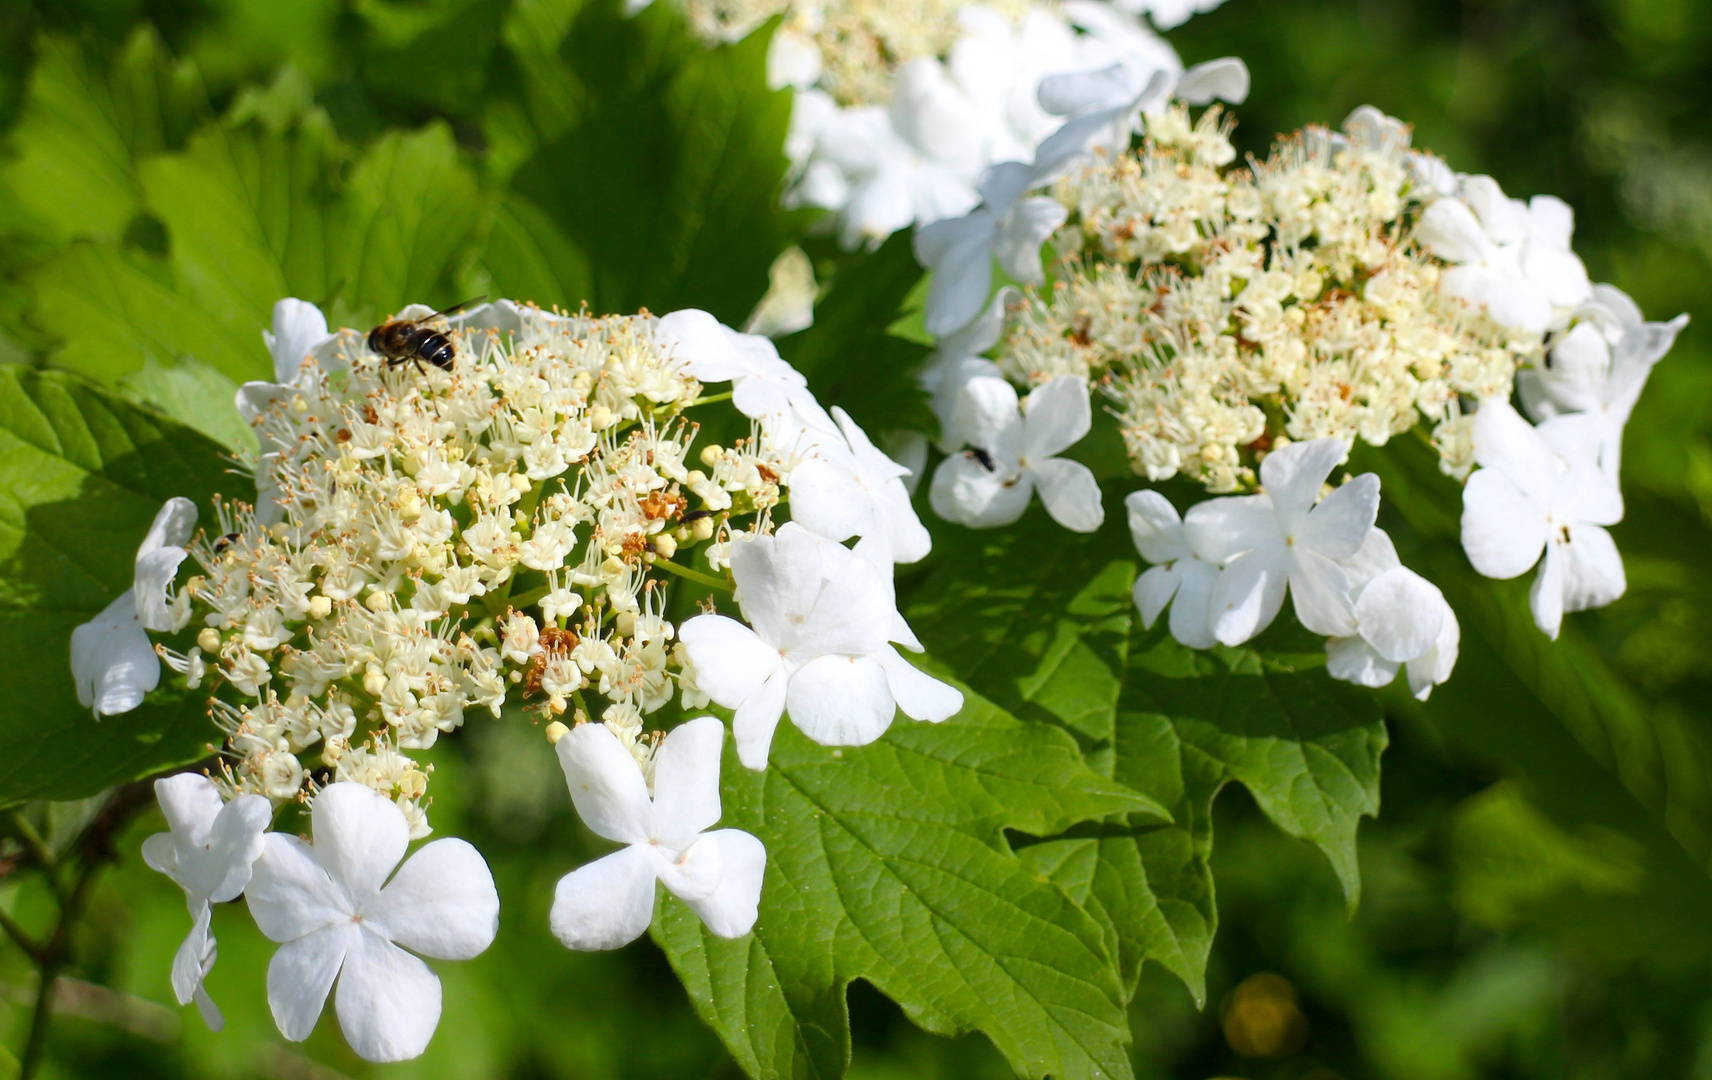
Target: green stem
696,576
528,599
710,399
19,936
39,851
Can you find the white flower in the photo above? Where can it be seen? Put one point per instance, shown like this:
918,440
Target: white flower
1539,489
1282,538
1596,371
960,251
1512,258
609,902
208,853
1167,14
112,660
856,490
822,618
763,385
1177,577
330,905
1403,619
1012,456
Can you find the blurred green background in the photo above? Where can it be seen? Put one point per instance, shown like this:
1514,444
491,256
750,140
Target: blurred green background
1531,908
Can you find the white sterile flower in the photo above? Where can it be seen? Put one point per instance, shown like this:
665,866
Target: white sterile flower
1285,536
1540,490
1402,618
1512,258
208,853
609,902
336,915
822,619
1167,14
1012,456
762,384
1596,371
112,659
856,490
960,251
1177,577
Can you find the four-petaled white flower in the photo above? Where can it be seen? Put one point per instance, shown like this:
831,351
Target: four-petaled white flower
1282,538
1177,577
112,660
1402,620
330,905
1012,456
1539,489
1596,371
609,902
1512,258
960,251
851,488
208,852
823,619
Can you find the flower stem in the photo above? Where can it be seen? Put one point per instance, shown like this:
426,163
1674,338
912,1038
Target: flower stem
709,399
696,576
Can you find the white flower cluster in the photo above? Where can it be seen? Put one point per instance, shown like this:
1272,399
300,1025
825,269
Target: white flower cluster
497,513
1249,325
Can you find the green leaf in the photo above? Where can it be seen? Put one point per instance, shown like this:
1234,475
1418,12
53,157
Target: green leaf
890,863
1041,620
669,179
82,474
195,395
850,356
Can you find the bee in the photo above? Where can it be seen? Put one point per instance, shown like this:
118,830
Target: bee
984,458
225,542
411,341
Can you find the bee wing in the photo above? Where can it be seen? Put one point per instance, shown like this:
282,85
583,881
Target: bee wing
455,308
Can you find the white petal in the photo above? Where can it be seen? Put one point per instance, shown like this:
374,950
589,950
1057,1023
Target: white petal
702,345
1375,556
607,785
255,398
1584,494
154,572
1436,664
841,700
986,416
826,498
753,724
388,1001
1545,596
1593,571
1225,79
441,903
211,1014
1319,590
731,908
1400,614
301,973
608,903
1559,274
854,612
194,957
113,663
290,894
1025,228
1071,494
778,577
174,524
190,802
298,326
967,492
686,781
1056,415
730,661
1354,661
959,251
1551,222
1294,475
1155,527
1247,596
234,844
1190,623
1003,184
1503,529
360,835
1219,530
1450,230
919,695
1153,590
1338,525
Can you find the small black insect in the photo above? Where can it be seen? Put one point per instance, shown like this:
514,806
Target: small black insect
225,542
984,458
410,341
